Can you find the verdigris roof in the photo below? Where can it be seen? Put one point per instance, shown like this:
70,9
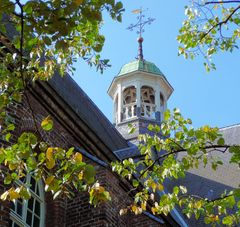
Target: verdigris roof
140,65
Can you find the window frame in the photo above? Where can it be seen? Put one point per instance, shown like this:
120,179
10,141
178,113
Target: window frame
21,220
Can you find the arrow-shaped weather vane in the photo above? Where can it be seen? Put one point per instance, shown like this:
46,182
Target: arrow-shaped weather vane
141,22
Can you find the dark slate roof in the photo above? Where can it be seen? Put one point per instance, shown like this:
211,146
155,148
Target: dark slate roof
227,174
85,108
208,183
129,152
200,186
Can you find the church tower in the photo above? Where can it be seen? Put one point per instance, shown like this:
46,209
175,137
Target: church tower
139,92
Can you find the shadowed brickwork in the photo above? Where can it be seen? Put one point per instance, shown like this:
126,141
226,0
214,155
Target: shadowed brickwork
69,132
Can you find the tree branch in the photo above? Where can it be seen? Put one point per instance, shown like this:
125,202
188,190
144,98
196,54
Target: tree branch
21,37
220,23
205,199
213,147
220,2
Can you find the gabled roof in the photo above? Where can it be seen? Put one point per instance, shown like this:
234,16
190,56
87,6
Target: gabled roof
206,182
88,112
231,134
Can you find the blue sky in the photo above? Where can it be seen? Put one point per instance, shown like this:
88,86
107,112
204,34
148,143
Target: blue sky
207,98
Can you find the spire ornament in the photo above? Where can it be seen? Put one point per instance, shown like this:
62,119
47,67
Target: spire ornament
141,22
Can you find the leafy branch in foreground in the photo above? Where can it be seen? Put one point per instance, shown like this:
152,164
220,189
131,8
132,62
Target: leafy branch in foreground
62,171
210,26
38,39
159,161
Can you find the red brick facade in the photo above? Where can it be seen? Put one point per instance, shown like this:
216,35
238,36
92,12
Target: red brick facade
76,211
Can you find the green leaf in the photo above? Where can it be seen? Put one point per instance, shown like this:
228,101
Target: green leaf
221,142
132,129
176,190
135,183
69,152
89,174
167,115
207,220
228,220
47,124
28,7
8,136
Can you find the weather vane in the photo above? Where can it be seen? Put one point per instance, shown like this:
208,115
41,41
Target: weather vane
141,22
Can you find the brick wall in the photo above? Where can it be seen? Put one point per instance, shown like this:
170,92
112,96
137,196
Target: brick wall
81,213
4,208
76,211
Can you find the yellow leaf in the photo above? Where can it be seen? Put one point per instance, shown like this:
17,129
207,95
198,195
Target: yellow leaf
198,204
49,180
143,205
154,210
101,189
153,186
78,2
49,153
160,187
134,208
80,176
206,128
78,157
13,194
216,218
50,163
12,166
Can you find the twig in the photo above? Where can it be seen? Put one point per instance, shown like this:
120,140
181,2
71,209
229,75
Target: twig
205,199
221,2
32,114
183,150
21,65
21,38
220,23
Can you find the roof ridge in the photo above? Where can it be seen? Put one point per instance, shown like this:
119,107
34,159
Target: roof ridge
230,126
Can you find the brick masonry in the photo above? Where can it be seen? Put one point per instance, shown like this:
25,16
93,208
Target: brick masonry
76,211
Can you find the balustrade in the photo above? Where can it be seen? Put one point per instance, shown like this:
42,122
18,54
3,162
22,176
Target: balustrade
129,111
148,110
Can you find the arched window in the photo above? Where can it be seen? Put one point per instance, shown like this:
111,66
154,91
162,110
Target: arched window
147,95
129,95
148,102
129,102
29,213
162,102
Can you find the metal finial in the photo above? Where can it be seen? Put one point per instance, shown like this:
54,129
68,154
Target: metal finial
141,22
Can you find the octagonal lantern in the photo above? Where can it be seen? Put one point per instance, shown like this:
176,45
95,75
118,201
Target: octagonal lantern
140,90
